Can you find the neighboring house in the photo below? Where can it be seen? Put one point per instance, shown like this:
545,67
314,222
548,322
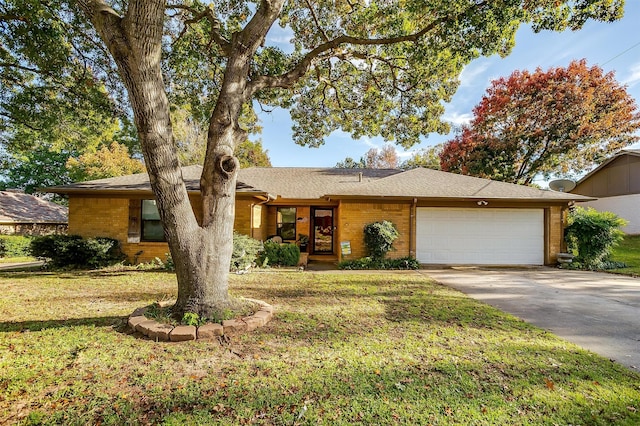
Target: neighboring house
24,214
616,184
442,218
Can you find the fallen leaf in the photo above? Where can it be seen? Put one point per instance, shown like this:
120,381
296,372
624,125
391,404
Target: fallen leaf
549,384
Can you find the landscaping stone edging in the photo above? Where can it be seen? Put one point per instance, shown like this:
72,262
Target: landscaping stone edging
182,333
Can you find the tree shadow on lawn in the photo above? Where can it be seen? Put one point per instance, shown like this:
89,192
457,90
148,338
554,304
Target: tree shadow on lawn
76,274
119,323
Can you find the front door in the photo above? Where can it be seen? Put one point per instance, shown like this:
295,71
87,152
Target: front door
322,230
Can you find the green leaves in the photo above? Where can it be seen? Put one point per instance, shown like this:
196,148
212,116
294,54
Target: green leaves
591,235
379,238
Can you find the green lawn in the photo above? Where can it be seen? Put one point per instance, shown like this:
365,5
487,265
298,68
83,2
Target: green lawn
344,348
628,251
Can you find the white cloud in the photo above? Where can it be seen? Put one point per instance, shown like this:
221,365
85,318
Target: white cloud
457,118
634,77
365,140
470,73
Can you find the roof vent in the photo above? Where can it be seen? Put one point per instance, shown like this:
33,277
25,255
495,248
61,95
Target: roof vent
359,176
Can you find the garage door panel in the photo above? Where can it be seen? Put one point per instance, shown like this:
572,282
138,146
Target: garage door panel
480,236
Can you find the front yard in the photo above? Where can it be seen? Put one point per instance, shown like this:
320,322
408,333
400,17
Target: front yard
344,348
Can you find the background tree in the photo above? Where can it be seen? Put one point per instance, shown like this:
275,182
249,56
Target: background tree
374,68
553,122
36,169
252,154
110,161
385,158
350,163
429,158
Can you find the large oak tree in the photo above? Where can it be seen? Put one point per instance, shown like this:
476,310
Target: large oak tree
367,67
555,122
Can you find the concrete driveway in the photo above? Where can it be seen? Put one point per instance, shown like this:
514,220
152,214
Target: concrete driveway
598,311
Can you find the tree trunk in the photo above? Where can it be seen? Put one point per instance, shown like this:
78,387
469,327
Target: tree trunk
201,251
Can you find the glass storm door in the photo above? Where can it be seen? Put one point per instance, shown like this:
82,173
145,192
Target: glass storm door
322,231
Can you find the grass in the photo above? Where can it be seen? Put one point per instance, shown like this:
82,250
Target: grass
628,251
348,348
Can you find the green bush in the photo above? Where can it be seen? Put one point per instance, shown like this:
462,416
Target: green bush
277,254
14,246
590,236
404,263
379,238
245,251
74,251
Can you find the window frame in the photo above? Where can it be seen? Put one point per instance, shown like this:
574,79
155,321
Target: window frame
280,223
143,221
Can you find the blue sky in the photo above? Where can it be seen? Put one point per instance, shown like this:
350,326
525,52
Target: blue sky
614,47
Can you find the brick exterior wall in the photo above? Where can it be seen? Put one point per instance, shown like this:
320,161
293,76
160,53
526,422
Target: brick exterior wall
355,215
109,217
112,217
556,233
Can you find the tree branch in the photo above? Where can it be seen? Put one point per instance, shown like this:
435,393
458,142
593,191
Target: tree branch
209,14
317,21
288,79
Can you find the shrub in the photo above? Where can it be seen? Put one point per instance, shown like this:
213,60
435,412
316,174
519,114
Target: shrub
591,235
74,251
245,251
404,263
14,246
277,254
379,237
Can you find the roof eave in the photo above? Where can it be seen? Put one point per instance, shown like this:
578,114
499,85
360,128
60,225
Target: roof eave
573,198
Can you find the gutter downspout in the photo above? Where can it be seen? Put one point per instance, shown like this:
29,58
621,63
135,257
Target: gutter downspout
412,228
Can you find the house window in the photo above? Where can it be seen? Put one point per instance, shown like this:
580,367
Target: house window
286,223
151,226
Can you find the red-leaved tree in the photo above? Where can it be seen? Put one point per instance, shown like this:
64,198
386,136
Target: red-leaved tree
554,122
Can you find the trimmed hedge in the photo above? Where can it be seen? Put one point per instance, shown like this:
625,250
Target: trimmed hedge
62,251
276,254
404,263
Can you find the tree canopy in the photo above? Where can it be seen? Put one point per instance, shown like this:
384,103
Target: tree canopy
553,122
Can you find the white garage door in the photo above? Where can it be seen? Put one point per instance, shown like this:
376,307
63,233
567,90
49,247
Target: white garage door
481,236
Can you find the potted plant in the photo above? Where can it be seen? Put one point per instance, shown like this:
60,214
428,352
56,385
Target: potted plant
303,241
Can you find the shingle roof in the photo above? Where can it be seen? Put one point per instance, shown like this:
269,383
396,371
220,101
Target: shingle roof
427,183
17,207
316,183
138,182
309,183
